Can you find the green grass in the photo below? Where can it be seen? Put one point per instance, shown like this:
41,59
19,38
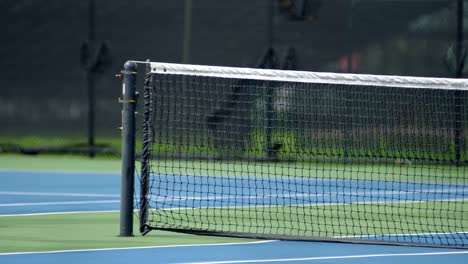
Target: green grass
59,163
40,141
83,231
324,146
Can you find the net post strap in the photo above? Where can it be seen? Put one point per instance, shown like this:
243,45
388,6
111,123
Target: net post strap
146,152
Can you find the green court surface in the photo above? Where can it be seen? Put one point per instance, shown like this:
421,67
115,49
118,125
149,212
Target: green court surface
77,230
334,170
82,231
59,163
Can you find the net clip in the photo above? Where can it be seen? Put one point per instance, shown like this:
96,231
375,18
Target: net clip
122,73
122,101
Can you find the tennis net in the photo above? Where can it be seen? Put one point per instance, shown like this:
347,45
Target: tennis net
304,155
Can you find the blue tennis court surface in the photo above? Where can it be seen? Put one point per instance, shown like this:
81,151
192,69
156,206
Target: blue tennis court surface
25,192
38,192
241,191
263,252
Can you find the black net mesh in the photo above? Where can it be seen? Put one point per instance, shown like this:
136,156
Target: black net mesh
292,160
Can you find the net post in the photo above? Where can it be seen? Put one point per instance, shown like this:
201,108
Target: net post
146,152
128,149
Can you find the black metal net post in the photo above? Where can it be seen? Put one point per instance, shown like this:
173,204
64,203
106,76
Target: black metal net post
128,149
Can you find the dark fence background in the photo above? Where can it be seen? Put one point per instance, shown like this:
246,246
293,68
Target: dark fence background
43,85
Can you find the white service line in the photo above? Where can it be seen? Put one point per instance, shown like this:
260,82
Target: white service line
60,172
329,257
366,194
60,213
60,194
405,235
59,203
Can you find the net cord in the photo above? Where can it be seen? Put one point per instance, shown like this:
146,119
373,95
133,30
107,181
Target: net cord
309,77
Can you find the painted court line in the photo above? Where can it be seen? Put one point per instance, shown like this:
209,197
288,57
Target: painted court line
404,235
328,258
314,204
61,213
293,195
42,171
60,194
368,194
59,203
132,248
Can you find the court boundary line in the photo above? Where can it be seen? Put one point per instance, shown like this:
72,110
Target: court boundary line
37,171
265,196
324,194
59,203
131,248
311,205
59,213
59,194
403,235
328,257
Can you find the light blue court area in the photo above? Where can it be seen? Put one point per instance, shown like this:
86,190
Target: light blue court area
28,192
202,191
300,192
256,252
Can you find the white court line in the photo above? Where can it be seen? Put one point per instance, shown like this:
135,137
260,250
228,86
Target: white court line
404,235
311,204
61,213
60,194
368,194
59,203
131,248
328,258
40,171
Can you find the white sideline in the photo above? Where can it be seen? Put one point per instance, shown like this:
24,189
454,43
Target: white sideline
60,194
405,235
59,203
66,172
329,257
130,248
60,213
368,194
